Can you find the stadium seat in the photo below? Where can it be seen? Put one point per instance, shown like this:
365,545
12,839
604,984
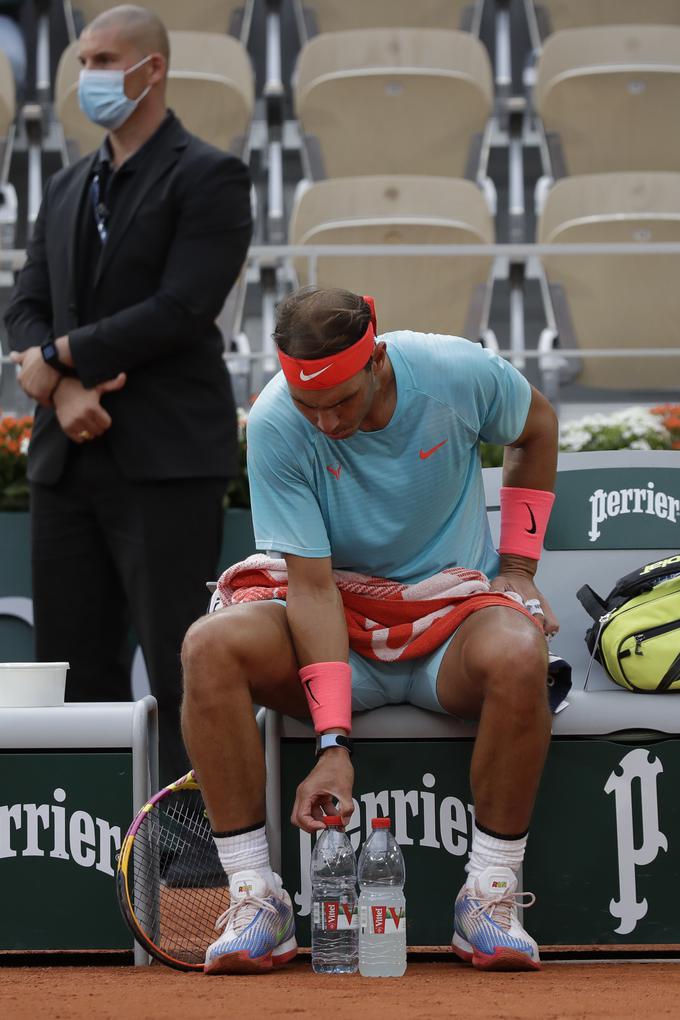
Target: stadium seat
555,15
609,301
7,101
382,101
330,16
611,96
176,15
431,294
210,88
8,194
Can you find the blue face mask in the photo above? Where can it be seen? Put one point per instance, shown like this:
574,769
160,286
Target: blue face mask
102,98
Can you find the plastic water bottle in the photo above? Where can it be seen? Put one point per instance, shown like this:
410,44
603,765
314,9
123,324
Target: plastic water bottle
382,907
335,927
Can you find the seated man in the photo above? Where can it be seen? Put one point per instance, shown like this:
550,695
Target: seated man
363,455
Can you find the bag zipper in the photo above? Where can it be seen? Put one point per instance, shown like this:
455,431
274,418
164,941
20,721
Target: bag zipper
639,639
596,645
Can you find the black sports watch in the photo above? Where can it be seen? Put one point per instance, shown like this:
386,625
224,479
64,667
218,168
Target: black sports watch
51,357
326,740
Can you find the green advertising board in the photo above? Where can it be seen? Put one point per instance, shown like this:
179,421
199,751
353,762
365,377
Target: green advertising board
616,508
601,858
62,815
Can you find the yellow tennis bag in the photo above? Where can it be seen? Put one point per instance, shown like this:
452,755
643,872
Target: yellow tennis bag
636,633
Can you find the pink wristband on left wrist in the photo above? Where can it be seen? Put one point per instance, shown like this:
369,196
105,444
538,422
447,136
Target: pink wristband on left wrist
524,520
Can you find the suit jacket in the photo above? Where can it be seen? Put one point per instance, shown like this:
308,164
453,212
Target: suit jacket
173,253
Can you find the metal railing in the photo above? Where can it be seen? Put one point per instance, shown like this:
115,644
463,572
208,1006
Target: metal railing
279,258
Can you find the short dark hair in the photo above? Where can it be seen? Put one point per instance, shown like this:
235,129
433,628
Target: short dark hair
141,26
313,322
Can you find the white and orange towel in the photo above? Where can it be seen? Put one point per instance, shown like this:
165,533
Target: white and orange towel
386,620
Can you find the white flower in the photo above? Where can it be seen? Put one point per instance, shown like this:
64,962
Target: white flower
574,439
633,427
23,446
241,422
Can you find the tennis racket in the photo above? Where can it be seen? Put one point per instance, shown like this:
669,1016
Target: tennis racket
171,886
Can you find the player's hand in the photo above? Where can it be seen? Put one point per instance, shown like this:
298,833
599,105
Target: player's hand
36,378
79,411
327,790
523,583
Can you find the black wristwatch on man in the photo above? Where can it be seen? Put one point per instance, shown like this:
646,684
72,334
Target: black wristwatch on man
50,354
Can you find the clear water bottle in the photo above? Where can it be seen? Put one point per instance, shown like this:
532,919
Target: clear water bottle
335,927
382,907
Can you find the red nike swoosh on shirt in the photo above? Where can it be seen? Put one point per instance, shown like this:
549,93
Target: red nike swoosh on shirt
424,454
334,471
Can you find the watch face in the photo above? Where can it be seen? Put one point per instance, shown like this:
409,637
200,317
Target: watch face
333,740
50,351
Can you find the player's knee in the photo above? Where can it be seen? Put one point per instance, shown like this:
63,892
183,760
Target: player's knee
514,669
210,659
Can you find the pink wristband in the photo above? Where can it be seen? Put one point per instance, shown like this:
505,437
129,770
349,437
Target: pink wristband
328,686
524,518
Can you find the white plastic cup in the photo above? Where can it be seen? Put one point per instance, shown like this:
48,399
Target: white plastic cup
32,684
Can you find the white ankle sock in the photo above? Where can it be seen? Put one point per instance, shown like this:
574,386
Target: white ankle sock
489,851
245,851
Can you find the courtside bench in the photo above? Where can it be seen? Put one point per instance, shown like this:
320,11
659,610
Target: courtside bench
71,780
602,853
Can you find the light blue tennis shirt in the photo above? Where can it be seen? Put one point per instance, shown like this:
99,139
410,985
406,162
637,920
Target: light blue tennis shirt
402,502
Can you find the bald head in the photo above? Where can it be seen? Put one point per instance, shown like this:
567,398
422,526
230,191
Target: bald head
135,25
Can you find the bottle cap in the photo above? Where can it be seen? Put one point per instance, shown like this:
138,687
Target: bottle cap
380,823
329,820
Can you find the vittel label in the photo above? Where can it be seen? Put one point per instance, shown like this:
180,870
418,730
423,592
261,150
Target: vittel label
380,920
335,915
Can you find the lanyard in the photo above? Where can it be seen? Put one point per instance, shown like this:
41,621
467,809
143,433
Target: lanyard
101,213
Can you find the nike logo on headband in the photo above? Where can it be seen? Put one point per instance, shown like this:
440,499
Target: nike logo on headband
532,529
305,378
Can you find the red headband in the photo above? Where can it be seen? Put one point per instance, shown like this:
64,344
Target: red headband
333,369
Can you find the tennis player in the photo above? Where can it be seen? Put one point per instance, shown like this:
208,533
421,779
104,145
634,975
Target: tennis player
363,454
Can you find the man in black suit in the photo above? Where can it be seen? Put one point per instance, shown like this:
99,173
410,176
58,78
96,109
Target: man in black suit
113,317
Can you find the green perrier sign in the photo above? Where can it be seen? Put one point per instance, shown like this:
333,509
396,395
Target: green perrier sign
61,819
602,853
616,508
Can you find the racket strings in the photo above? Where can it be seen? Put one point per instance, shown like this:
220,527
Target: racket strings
177,885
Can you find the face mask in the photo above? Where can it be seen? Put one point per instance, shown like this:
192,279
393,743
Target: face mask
102,98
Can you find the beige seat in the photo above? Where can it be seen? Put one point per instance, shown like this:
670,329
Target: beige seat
623,301
7,95
176,15
331,16
612,96
431,294
393,100
210,88
581,13
7,114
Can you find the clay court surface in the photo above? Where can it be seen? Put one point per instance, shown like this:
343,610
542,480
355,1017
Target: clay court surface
582,990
